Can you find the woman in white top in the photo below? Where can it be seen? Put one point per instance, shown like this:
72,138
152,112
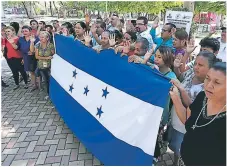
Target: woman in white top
191,84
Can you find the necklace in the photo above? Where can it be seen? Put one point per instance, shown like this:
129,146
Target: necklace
199,126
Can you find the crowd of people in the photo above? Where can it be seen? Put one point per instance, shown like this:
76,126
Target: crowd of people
193,120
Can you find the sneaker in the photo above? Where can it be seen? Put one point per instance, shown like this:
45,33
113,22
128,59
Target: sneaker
5,85
16,87
26,86
47,97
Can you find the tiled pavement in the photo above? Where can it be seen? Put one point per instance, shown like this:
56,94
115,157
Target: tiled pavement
33,133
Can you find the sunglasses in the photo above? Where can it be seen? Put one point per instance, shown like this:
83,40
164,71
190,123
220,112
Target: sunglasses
163,30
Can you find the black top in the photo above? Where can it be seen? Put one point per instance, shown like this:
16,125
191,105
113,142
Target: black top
204,146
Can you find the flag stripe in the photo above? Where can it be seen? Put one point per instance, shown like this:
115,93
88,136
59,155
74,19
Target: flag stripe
106,147
137,80
137,121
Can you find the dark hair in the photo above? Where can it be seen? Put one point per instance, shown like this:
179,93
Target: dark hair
171,26
133,35
118,34
181,34
56,21
133,22
115,14
145,21
26,27
82,24
122,21
43,22
167,55
99,18
211,58
16,26
212,43
50,26
102,25
145,43
70,28
223,28
33,21
220,66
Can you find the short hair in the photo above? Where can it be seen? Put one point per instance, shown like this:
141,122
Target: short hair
211,58
171,26
33,21
10,27
118,34
106,31
56,21
220,66
43,22
145,21
181,34
26,27
102,25
133,35
167,55
212,43
47,34
99,18
16,26
50,26
82,24
145,43
223,29
115,14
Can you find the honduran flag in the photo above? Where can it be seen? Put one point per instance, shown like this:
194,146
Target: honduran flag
113,107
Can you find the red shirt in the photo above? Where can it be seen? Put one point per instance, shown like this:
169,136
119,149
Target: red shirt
34,32
11,52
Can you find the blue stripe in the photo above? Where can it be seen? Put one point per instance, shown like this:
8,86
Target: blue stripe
139,81
106,147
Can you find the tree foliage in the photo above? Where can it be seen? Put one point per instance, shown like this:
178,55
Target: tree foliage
211,6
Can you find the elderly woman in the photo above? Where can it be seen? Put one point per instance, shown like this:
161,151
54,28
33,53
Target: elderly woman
204,143
14,58
44,53
191,84
25,44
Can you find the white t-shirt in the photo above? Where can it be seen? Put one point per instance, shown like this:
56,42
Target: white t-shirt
222,51
193,91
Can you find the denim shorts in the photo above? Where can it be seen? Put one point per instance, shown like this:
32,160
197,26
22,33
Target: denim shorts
175,139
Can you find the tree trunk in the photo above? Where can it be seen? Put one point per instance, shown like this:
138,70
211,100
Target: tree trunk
34,8
55,6
45,3
51,10
28,9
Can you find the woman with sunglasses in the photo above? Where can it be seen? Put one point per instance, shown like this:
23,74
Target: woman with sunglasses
25,45
14,58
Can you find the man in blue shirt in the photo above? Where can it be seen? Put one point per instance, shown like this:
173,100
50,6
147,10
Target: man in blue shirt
166,38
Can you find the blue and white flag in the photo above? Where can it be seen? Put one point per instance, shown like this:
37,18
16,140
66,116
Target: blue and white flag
113,107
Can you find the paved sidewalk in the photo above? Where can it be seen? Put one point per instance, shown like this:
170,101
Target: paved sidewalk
33,133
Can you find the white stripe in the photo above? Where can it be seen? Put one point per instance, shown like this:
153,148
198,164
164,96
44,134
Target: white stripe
128,118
